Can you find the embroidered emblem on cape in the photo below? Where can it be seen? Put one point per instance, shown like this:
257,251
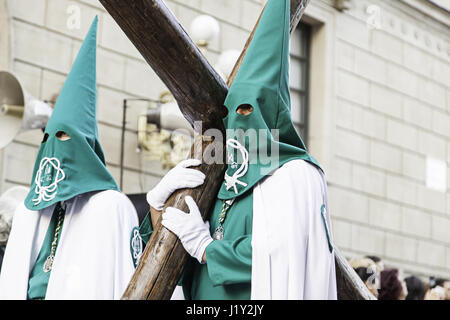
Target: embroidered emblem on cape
43,176
137,245
323,211
231,181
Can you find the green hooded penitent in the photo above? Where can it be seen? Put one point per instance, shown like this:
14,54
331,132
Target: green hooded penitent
65,169
263,83
264,140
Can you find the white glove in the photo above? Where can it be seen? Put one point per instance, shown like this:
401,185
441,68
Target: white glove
190,228
178,178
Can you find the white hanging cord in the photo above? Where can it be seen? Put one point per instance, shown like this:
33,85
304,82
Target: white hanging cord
48,193
231,181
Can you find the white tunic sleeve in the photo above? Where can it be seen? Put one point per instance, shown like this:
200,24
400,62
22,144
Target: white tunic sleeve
19,255
93,259
291,253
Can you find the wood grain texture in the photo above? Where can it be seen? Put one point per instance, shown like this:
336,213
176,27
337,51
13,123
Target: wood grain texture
175,58
200,93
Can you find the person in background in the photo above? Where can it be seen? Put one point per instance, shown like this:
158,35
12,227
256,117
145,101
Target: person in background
9,201
435,289
447,290
392,287
367,270
378,262
444,283
436,293
416,288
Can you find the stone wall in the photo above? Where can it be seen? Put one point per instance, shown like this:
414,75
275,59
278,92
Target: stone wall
392,111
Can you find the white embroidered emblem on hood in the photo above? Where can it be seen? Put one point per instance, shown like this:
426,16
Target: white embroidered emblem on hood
231,181
48,193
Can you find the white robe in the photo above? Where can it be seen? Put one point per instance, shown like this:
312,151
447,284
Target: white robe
290,254
93,259
291,259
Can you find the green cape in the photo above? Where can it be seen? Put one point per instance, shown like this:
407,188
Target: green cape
65,169
264,140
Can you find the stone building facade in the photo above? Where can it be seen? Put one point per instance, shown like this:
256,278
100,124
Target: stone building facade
376,113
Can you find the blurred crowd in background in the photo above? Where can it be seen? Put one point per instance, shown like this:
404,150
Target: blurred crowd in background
390,284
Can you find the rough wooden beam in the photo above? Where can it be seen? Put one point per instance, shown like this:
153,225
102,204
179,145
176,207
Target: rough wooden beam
167,48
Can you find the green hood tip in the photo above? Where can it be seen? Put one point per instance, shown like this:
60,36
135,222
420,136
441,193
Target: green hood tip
65,169
263,83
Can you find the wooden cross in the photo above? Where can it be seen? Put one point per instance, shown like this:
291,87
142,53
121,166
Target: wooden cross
200,93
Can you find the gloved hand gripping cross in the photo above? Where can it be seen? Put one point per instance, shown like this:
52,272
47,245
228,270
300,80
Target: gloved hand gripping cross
190,228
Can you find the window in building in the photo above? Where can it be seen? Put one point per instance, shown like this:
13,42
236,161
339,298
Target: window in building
299,78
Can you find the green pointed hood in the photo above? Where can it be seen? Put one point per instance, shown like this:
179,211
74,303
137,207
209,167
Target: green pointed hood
264,140
65,169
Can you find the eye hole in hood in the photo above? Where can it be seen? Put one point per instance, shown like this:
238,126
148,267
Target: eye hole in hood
244,109
62,136
45,138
